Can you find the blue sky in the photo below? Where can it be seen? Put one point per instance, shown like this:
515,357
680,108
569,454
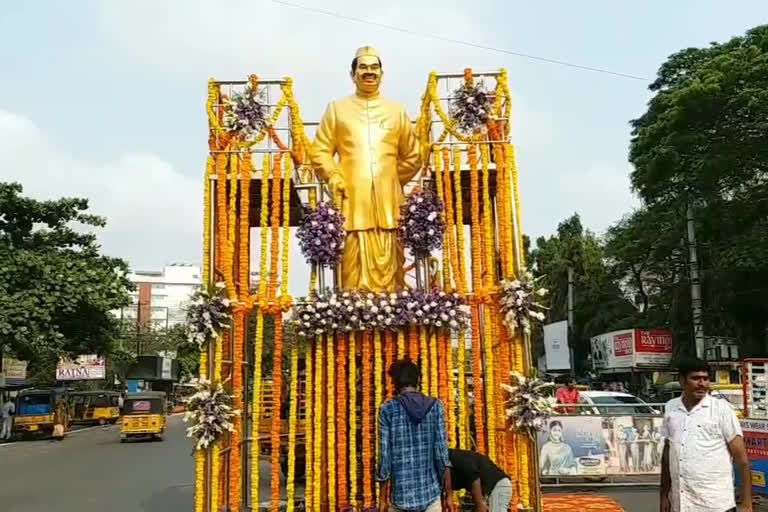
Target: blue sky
104,99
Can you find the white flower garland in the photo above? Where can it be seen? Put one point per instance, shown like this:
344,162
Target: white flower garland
210,413
528,405
519,303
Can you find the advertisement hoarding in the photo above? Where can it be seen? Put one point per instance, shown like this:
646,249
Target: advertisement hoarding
756,442
601,445
632,348
13,369
85,367
556,350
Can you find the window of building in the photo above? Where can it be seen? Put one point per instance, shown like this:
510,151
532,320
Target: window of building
158,286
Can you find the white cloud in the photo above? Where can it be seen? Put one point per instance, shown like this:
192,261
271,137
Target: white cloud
153,212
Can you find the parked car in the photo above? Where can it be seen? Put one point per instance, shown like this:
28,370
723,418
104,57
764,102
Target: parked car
613,403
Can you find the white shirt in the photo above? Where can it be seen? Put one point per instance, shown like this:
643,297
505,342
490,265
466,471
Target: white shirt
700,463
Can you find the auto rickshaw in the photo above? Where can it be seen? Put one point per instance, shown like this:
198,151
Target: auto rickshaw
144,415
38,411
95,407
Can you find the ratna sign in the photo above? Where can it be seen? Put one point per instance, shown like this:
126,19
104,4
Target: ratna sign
632,348
87,367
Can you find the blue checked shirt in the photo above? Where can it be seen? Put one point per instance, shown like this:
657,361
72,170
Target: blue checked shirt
412,456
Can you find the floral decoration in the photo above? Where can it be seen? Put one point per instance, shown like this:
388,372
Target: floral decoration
470,108
208,314
321,235
210,413
528,405
421,223
519,302
358,311
246,113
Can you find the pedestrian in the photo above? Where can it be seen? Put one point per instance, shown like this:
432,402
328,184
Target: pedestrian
7,410
489,486
703,443
568,394
413,451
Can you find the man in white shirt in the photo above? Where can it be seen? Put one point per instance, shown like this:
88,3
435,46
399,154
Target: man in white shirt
703,441
7,408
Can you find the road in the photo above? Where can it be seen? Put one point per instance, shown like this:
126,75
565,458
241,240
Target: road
91,471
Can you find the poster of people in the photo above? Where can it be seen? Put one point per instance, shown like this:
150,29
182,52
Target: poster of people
572,446
608,445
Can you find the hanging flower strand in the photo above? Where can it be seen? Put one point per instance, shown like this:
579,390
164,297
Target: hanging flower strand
528,405
519,302
208,314
210,413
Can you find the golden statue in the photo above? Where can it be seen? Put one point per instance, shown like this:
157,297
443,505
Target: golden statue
378,154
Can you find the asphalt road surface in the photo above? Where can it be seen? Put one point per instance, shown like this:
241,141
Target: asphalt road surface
91,471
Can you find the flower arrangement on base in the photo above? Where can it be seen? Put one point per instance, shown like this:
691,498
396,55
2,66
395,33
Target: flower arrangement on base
208,314
528,405
246,114
470,108
321,235
359,311
421,224
210,412
519,302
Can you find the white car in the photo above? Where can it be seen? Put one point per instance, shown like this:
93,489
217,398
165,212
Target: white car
612,403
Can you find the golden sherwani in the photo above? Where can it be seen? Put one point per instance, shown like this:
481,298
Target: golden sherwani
377,154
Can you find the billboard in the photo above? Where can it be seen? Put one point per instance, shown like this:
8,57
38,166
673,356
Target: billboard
85,367
556,346
756,442
13,369
601,445
632,348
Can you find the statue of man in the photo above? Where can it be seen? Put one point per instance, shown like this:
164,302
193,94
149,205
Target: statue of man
377,154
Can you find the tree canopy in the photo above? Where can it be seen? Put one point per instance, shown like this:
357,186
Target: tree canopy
56,289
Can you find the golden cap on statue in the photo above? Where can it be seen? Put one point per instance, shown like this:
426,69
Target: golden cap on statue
366,50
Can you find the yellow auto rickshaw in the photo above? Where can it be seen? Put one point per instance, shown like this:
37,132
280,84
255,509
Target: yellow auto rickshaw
38,411
144,415
95,407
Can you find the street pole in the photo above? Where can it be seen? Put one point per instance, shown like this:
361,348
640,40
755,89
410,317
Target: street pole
693,268
570,315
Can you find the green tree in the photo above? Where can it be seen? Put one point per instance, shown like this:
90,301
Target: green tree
56,289
703,144
599,303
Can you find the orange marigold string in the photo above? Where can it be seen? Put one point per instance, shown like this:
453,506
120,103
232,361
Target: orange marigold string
450,403
450,221
237,393
401,348
244,240
223,257
309,461
274,256
461,282
413,343
341,418
368,427
389,358
442,371
441,195
477,374
277,379
424,359
353,470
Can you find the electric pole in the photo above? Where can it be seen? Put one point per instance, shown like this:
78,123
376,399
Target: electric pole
693,269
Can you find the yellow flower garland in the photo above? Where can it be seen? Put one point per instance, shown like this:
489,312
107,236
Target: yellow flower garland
400,344
462,280
424,351
207,221
318,419
285,299
450,404
516,191
463,420
200,455
331,421
234,161
352,423
309,461
263,220
378,383
490,267
258,342
490,382
433,387
292,419
243,238
440,194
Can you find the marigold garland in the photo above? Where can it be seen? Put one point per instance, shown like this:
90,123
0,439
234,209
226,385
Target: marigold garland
433,362
223,255
264,232
353,474
309,425
490,382
401,348
424,360
450,220
275,229
450,403
413,343
235,482
516,191
463,421
446,234
478,381
368,427
277,387
318,423
474,189
331,422
389,358
378,376
258,344
234,164
293,397
489,249
462,275
341,419
245,227
285,299
201,455
209,170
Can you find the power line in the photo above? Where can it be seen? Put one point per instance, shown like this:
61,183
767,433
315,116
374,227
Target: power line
458,41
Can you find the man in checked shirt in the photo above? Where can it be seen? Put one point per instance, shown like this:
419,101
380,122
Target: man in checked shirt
413,452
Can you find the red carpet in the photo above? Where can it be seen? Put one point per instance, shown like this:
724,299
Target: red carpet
580,503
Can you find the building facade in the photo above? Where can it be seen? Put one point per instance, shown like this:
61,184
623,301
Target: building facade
161,296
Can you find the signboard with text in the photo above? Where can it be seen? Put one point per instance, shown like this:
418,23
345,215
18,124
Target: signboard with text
556,349
85,367
653,347
632,348
756,442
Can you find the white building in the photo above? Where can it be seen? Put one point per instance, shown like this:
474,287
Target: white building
162,295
